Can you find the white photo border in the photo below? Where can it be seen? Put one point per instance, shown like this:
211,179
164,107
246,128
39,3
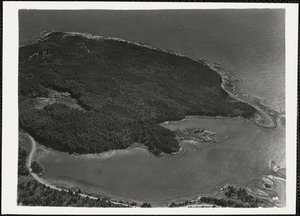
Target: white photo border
10,105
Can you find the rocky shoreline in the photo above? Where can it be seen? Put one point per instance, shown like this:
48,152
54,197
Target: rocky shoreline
265,117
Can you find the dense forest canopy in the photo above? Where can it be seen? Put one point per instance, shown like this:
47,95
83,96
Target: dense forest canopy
125,90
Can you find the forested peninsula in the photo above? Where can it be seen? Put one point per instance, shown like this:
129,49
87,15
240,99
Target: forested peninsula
88,94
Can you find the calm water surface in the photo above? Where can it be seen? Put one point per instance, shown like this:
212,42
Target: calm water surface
137,174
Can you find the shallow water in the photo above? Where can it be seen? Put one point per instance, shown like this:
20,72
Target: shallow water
239,159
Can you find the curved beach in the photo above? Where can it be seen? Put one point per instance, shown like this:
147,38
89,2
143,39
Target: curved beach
42,181
262,116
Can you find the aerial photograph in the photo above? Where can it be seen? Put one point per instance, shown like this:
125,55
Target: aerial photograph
152,108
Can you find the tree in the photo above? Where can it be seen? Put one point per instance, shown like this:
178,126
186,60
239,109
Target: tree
146,205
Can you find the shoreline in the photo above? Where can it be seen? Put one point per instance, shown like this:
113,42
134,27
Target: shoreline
65,186
42,181
111,153
265,116
94,195
43,36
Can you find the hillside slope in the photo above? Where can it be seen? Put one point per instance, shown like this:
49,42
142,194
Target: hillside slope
124,91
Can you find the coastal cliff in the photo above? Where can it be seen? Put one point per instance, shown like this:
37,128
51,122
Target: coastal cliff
113,93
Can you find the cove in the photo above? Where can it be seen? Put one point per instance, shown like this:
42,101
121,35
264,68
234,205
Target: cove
135,174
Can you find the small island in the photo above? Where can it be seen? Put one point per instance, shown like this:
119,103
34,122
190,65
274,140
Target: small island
36,168
198,134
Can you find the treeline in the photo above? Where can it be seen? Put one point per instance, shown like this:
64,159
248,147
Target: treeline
32,193
125,89
22,157
234,198
228,202
185,203
146,205
36,168
240,194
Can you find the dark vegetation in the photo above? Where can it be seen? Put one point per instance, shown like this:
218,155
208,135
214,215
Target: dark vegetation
36,168
185,203
125,89
32,193
219,202
228,202
234,198
22,169
240,194
146,205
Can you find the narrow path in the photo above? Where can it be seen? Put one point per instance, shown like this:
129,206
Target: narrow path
42,181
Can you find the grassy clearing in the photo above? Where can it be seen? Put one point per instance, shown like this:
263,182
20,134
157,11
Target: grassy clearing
57,97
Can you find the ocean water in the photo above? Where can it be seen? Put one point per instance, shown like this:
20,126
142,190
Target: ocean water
249,43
